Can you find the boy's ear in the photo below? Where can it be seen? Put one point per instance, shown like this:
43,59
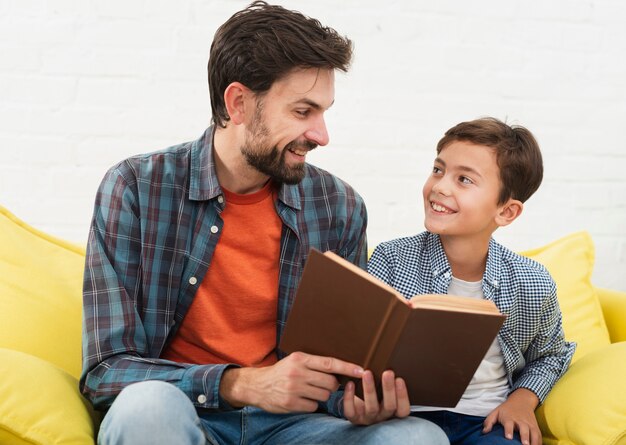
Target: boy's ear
508,212
235,98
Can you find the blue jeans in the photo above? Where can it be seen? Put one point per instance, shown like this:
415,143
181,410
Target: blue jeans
467,430
154,412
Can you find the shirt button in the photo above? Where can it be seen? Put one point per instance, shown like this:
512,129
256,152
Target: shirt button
214,229
193,280
201,398
447,274
220,199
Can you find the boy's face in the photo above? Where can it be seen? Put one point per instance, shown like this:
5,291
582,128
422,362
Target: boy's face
288,122
461,194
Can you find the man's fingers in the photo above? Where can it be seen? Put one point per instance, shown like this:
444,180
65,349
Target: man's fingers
328,365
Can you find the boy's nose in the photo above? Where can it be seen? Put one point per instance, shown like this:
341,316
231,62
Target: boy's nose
442,187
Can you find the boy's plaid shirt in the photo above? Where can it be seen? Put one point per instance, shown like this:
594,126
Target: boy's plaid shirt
532,340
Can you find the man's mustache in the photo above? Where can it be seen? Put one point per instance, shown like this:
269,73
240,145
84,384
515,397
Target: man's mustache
307,145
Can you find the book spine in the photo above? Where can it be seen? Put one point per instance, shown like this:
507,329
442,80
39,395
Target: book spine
389,332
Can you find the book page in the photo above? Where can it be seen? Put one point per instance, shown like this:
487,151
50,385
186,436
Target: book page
454,303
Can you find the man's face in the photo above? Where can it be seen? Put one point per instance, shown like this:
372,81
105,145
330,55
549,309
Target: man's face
461,194
288,122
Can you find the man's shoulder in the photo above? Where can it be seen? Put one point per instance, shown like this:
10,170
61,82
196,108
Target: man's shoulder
319,180
149,163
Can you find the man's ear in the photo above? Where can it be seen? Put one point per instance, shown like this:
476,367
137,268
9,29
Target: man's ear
235,96
508,212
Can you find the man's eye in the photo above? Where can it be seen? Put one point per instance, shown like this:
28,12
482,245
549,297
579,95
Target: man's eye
303,113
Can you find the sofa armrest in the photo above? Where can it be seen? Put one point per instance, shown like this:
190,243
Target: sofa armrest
613,304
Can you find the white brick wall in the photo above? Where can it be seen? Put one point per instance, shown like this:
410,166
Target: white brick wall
84,84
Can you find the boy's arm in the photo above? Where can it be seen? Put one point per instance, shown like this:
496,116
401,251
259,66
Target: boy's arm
549,355
380,264
547,359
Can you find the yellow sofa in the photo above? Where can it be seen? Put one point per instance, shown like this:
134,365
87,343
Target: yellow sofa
40,344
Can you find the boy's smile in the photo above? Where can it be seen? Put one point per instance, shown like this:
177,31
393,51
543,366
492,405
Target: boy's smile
461,194
440,208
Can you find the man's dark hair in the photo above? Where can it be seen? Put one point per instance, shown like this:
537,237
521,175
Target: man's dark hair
517,154
260,44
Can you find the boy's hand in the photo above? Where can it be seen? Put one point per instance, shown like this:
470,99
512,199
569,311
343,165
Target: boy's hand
517,413
368,411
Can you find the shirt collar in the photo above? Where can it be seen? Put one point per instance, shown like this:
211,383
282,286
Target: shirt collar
438,260
494,266
441,269
290,194
203,184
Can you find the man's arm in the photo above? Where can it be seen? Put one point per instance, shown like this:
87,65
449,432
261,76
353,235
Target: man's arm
117,344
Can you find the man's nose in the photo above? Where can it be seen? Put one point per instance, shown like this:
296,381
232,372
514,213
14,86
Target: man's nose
318,133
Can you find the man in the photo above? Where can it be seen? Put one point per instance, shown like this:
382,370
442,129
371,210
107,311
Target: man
195,253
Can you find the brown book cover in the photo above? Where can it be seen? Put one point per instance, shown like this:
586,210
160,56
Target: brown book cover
436,346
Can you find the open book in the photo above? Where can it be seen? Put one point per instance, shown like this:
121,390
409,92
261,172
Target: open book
435,343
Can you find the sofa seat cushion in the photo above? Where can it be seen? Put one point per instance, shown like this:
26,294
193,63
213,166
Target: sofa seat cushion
40,294
587,406
40,403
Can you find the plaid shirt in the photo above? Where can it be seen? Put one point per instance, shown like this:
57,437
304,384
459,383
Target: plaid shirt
155,227
532,341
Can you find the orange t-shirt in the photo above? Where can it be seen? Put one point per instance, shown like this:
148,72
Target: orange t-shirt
232,318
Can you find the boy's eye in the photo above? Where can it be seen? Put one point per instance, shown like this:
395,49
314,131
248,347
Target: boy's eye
465,180
437,170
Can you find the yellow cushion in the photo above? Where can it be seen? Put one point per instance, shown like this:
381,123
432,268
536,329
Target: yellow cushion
40,294
587,406
40,403
570,262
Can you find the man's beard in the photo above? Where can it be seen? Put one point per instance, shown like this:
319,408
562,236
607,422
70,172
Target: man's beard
271,161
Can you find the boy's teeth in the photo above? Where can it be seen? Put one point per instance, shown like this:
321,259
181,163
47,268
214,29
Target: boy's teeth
438,208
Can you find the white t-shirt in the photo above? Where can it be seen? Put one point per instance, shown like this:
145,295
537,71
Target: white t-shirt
489,385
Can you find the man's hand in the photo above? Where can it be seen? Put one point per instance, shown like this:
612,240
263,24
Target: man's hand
517,413
295,383
369,411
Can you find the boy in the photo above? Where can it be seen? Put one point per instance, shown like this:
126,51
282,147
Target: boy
484,171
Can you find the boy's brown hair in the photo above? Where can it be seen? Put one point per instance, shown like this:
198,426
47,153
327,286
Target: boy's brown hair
517,154
262,43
